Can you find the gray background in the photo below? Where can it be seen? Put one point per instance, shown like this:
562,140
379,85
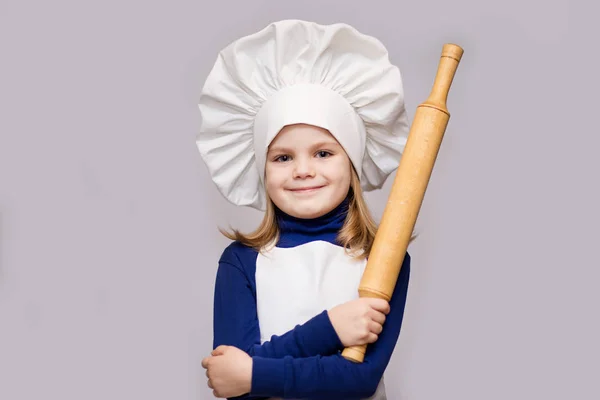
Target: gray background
109,244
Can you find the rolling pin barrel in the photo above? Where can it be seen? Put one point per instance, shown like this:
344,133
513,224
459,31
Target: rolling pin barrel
408,190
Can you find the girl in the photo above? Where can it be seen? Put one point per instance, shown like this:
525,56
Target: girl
297,120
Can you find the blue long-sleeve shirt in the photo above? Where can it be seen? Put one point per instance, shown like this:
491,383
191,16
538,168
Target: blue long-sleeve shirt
305,361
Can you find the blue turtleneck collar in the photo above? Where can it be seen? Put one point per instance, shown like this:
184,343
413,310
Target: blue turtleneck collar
296,231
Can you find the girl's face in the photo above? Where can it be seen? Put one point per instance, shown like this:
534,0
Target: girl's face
307,172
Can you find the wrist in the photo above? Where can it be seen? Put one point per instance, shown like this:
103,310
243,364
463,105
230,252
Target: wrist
331,315
248,380
268,376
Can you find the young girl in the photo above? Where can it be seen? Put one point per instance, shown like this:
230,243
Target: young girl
298,120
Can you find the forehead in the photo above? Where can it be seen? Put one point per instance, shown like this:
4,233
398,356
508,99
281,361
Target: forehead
298,135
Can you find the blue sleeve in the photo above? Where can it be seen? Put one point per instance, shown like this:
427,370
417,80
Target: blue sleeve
333,377
236,322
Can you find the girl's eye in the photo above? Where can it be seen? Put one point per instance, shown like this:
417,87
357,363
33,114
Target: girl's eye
323,154
283,158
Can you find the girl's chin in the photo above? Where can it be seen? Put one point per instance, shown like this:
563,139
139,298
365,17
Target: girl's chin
309,204
308,210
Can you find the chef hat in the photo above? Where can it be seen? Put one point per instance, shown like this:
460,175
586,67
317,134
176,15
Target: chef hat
290,72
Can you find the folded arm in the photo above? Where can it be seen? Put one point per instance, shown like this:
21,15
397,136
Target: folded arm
305,362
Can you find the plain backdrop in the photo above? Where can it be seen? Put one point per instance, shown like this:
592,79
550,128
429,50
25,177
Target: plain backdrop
109,241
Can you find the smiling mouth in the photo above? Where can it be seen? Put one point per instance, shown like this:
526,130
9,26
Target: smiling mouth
306,189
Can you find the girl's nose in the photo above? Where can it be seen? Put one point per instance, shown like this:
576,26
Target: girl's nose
303,169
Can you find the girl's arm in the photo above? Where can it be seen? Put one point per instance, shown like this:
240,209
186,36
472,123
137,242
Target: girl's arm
333,377
236,322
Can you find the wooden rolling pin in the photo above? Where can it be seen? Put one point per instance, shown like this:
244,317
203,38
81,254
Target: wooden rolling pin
408,190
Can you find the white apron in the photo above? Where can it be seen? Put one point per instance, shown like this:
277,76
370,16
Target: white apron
295,284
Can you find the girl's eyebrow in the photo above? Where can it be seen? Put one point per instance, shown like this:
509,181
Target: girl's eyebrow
327,143
281,149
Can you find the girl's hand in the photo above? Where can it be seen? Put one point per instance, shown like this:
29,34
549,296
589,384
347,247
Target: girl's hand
229,371
359,321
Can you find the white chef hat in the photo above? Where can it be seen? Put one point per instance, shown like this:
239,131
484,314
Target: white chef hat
290,72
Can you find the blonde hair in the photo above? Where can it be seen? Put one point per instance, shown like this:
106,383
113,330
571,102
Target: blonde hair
356,236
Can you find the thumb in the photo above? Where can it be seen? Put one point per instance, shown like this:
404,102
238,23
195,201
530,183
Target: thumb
219,351
379,305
